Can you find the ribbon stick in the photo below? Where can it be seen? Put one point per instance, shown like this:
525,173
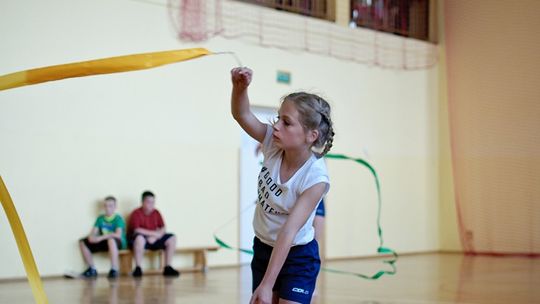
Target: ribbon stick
99,66
22,242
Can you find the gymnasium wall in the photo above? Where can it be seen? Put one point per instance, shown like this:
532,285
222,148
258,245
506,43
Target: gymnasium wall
67,144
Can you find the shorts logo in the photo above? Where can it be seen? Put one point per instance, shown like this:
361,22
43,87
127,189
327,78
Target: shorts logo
300,290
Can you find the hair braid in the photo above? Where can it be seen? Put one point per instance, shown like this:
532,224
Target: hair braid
329,136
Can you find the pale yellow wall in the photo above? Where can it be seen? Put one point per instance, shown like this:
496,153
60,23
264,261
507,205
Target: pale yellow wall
67,144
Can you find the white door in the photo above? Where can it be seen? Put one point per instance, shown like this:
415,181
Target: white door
250,166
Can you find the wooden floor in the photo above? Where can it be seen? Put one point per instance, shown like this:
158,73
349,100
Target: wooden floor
426,278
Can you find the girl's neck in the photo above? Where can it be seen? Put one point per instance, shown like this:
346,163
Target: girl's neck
295,159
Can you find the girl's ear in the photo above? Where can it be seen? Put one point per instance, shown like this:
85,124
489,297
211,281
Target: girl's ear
312,136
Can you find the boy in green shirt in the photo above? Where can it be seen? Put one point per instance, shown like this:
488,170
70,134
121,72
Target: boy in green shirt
108,234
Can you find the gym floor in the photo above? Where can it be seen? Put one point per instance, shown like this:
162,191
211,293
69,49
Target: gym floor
420,278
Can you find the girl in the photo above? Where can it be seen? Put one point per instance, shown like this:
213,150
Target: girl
291,184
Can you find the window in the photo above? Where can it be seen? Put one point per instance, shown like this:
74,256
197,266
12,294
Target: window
313,8
409,18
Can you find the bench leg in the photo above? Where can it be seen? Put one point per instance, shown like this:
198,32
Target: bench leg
199,260
125,263
162,260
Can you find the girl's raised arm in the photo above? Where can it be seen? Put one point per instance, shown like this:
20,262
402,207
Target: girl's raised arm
241,78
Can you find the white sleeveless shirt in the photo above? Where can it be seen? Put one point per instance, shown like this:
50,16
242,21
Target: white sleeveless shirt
276,199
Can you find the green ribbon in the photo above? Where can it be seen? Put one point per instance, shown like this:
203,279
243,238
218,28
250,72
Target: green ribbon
381,249
222,244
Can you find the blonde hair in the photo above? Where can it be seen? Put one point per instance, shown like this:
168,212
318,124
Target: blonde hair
314,115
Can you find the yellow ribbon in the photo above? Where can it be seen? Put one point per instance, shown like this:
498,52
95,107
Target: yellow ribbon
99,66
24,248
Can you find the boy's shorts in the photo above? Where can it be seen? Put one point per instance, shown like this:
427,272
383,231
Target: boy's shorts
101,246
157,245
297,278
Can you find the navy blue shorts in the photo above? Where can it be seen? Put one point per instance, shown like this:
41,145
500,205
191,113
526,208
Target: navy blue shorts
157,245
320,209
297,278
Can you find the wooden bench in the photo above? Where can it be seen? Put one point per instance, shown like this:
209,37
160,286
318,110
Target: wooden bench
199,259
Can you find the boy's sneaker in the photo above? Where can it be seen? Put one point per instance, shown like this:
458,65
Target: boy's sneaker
137,272
90,273
168,271
113,273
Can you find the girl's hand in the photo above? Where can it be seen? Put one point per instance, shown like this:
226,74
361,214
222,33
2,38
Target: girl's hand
241,77
261,295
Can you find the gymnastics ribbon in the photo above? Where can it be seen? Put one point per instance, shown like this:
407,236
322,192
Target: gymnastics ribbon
22,243
381,249
99,66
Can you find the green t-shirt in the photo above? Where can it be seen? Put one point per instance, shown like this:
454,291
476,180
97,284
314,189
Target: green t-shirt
107,225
